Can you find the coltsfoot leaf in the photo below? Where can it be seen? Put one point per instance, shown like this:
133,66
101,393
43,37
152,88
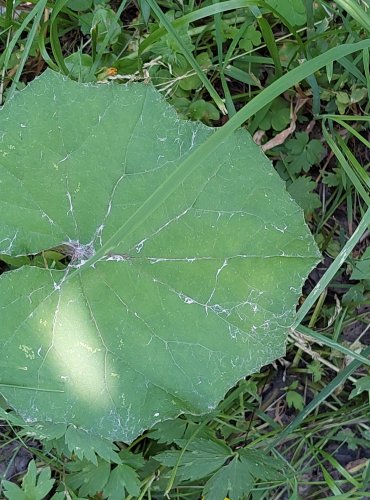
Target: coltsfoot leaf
184,269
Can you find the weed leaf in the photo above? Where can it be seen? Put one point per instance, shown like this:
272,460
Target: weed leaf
122,478
294,11
301,190
34,485
182,277
362,267
201,458
88,478
85,445
236,479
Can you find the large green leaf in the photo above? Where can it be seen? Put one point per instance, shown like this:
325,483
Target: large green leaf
293,11
183,278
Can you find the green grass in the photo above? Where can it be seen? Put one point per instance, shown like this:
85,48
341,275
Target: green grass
231,64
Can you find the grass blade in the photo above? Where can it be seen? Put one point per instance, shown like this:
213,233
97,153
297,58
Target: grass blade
354,176
188,55
54,36
196,15
228,99
366,63
332,344
352,68
270,42
8,14
322,396
38,11
5,57
331,272
104,44
355,11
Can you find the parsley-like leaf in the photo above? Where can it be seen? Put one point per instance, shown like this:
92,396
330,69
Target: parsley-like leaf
236,479
201,458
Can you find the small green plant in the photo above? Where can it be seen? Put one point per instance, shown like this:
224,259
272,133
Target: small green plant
302,153
302,190
294,398
35,485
